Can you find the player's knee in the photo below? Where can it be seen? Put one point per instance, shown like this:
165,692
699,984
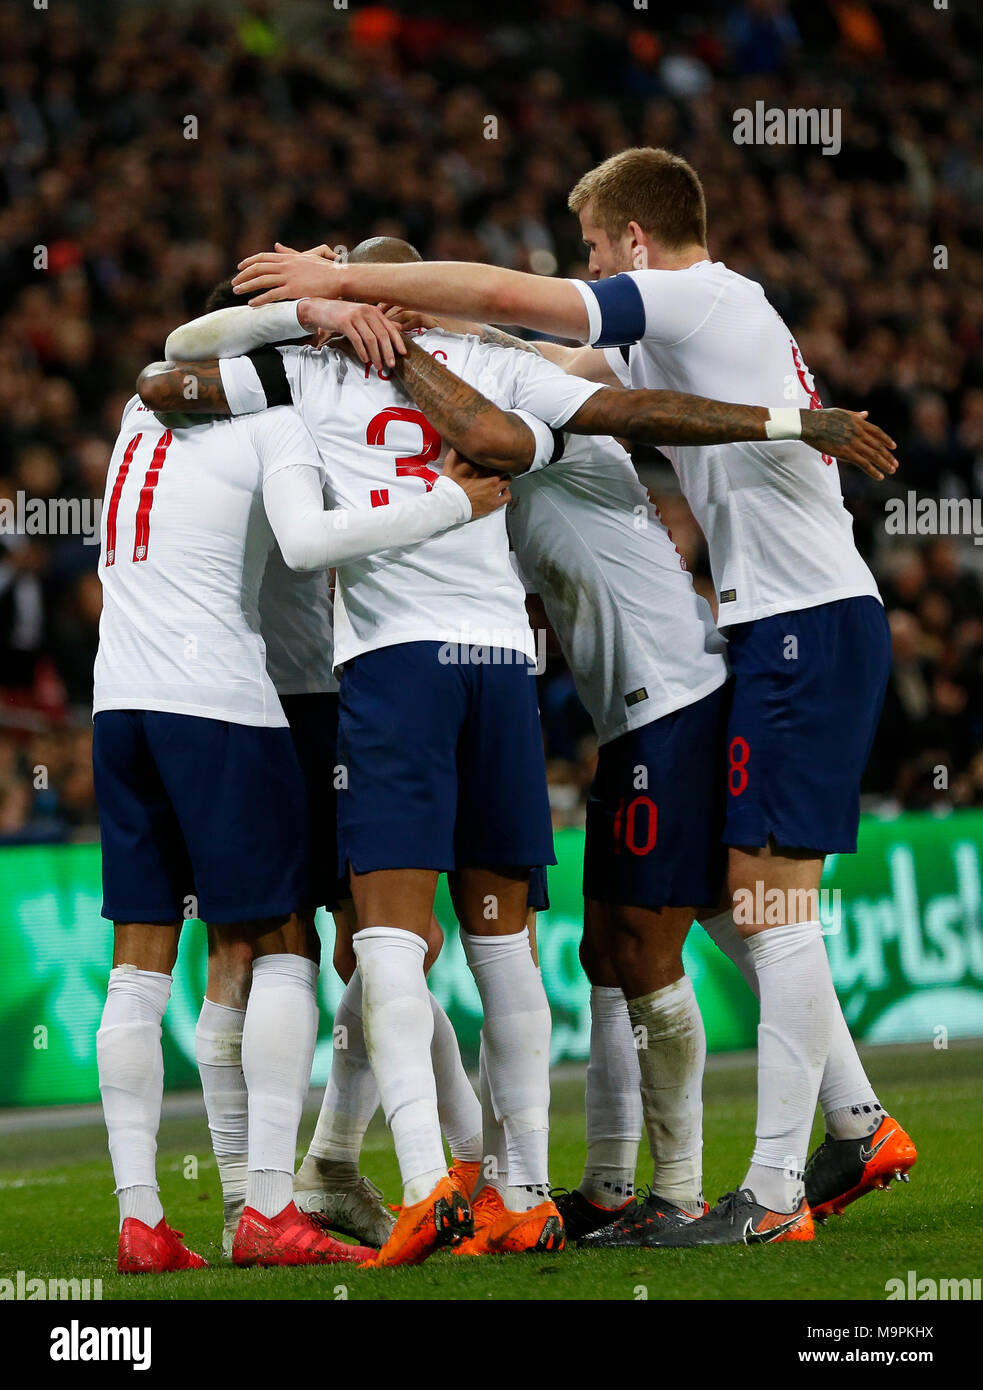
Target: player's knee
300,937
230,967
593,960
343,960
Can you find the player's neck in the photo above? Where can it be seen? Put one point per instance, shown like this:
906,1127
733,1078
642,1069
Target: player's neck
659,258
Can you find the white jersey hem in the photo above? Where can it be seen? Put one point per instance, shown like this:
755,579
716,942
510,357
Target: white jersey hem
691,697
443,638
793,605
197,711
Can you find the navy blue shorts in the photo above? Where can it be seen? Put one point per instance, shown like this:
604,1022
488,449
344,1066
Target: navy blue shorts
807,694
197,809
313,723
655,812
445,762
539,895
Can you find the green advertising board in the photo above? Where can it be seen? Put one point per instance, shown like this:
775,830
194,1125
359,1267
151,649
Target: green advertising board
904,931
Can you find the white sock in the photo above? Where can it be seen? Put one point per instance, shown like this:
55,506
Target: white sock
495,1159
516,1041
850,1105
398,1023
723,932
278,1037
131,1081
218,1052
351,1096
849,1102
140,1202
672,1053
614,1101
457,1104
797,1008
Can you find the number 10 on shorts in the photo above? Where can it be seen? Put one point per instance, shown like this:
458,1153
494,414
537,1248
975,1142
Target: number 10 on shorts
636,824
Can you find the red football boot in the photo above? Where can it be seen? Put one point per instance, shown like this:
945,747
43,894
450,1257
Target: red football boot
290,1238
156,1249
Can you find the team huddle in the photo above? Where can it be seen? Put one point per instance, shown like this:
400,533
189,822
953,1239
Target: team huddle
264,747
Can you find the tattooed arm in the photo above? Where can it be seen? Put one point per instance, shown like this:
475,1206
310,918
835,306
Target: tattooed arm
671,417
477,429
191,388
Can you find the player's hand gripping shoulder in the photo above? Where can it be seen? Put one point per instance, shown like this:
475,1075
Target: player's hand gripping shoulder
487,492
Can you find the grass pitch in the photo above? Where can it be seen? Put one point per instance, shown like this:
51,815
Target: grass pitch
58,1214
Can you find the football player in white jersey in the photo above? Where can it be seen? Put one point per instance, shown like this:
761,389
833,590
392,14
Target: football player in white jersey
807,636
200,794
647,663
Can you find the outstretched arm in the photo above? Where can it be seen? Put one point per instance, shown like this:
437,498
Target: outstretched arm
237,330
501,441
483,292
672,417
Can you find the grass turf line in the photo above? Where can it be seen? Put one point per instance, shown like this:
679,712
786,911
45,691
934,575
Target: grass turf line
58,1214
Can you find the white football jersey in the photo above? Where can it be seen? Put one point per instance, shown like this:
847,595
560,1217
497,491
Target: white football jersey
185,541
295,622
637,637
458,587
772,513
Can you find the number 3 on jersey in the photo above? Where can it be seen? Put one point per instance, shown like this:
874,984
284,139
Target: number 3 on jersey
410,465
141,539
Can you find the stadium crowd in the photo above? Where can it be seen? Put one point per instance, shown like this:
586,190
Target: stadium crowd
128,189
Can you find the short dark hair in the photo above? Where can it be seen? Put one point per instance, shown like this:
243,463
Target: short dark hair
223,296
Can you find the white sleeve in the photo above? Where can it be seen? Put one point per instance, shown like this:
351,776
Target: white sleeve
234,331
312,538
549,442
241,383
659,305
518,380
615,358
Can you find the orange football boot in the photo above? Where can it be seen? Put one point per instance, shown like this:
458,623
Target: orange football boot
841,1170
486,1209
464,1174
513,1232
442,1218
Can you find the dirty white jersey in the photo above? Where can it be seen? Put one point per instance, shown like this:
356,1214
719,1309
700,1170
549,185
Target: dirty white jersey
772,512
377,448
639,640
184,545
